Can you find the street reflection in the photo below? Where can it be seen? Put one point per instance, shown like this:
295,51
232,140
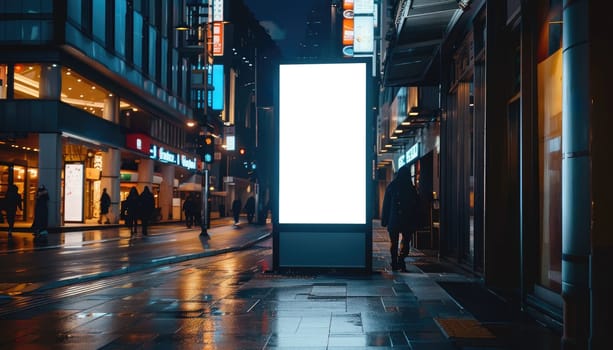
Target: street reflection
73,239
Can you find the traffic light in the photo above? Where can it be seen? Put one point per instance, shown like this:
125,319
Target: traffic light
242,151
206,148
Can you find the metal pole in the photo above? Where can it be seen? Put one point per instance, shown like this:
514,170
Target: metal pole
204,217
256,98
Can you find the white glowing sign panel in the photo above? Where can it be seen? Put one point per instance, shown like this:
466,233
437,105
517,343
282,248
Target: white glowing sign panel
363,7
217,10
73,192
363,34
230,143
322,177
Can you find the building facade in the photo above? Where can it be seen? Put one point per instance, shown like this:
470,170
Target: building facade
116,93
522,147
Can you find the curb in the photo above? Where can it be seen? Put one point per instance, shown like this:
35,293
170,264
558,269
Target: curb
154,263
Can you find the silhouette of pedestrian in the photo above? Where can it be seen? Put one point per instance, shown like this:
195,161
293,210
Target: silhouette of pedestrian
250,209
146,205
105,204
400,215
131,209
189,208
12,202
41,212
236,210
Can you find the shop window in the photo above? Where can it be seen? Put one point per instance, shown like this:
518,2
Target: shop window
82,93
3,81
27,81
550,169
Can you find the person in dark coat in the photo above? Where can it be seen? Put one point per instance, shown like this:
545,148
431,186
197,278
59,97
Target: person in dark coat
131,209
400,215
197,211
105,204
12,202
41,211
236,210
250,208
147,206
189,208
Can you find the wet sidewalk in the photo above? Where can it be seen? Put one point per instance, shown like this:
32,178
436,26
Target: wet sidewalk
432,306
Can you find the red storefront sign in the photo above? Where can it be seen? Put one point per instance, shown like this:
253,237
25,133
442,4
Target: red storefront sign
138,142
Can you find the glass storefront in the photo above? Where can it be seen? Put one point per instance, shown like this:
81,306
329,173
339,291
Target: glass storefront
18,166
26,180
550,169
549,90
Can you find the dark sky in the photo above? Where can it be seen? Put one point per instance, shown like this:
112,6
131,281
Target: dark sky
284,19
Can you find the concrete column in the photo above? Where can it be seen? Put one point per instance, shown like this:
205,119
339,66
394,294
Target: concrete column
50,172
168,176
145,174
111,109
576,193
111,165
50,81
111,162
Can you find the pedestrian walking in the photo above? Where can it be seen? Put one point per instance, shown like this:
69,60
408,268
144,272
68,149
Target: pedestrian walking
189,208
105,204
12,202
41,212
146,208
131,209
236,210
400,215
250,209
197,211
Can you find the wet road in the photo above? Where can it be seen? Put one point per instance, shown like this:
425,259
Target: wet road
178,306
78,256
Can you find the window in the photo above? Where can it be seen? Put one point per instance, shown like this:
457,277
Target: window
82,93
74,12
3,81
137,35
164,64
550,169
99,20
120,27
27,81
153,47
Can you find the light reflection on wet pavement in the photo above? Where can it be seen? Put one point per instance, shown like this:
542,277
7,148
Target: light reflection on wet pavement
231,301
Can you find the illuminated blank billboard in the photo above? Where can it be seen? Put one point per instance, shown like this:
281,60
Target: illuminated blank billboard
322,143
74,176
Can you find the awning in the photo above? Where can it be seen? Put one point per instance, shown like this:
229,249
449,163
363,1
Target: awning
190,187
415,40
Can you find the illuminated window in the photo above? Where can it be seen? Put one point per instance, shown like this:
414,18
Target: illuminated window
82,93
27,81
3,82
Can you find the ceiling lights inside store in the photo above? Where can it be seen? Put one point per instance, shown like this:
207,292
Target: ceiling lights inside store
76,90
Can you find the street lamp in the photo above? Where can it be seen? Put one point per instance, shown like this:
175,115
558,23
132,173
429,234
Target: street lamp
197,48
